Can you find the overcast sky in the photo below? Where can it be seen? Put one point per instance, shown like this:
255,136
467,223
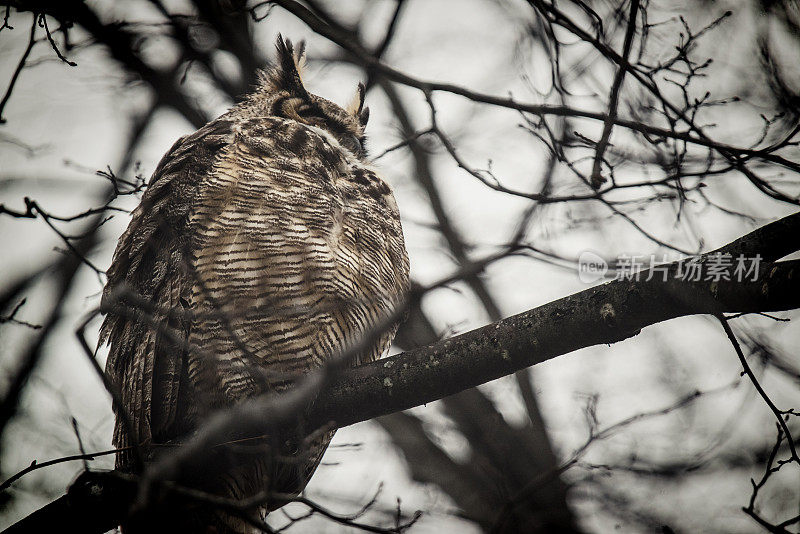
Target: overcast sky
75,120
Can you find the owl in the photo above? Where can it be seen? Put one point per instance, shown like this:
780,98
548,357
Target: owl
264,245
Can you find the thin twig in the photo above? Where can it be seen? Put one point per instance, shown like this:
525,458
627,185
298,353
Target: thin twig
613,100
779,415
43,19
20,66
40,465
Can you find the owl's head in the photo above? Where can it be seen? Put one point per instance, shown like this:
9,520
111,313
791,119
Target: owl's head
288,98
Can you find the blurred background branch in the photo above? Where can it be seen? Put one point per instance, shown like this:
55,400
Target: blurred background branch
496,137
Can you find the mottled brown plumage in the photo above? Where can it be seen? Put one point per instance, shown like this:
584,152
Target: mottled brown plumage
264,245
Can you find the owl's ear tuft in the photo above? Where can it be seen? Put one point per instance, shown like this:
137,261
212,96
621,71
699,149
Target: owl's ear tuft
300,57
357,102
363,117
286,75
356,106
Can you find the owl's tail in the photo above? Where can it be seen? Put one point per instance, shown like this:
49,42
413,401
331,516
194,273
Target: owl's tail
285,475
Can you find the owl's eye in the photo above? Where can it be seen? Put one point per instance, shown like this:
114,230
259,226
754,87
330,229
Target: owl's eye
353,144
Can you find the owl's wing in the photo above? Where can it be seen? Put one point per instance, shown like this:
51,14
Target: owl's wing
146,292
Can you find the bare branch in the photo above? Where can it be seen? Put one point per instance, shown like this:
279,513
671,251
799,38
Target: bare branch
613,100
20,65
779,415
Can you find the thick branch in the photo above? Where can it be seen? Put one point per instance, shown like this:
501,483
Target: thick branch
600,315
604,314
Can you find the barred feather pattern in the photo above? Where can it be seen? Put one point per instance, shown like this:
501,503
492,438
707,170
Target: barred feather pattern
261,248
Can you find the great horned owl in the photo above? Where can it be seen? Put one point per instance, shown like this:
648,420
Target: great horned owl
264,244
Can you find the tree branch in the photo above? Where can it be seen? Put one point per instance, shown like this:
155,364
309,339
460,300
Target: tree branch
336,35
613,99
20,66
600,315
604,314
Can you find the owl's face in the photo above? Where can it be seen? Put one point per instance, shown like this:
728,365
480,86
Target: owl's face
287,97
